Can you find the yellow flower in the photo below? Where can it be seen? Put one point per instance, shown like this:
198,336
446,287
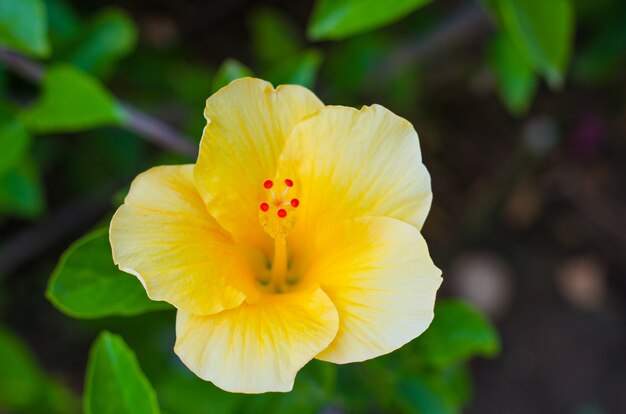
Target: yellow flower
295,236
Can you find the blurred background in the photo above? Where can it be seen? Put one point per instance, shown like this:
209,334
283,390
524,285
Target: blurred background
520,106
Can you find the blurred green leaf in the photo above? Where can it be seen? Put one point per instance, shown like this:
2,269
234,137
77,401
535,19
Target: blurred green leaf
21,192
543,30
72,101
300,69
604,54
87,284
515,78
114,383
63,23
183,392
435,392
338,19
274,36
23,386
23,26
110,36
14,139
458,332
230,70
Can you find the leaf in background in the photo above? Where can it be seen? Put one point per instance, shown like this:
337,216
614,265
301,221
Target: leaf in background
23,26
14,139
338,19
87,284
72,101
515,78
544,31
114,383
300,69
457,333
230,70
274,36
603,54
435,392
110,36
63,24
23,386
21,192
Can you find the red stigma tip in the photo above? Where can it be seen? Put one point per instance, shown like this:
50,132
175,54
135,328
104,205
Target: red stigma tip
268,184
282,213
288,183
264,206
295,202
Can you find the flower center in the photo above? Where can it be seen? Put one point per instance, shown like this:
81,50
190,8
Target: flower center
277,218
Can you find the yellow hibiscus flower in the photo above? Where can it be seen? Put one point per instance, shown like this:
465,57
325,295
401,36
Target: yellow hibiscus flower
295,236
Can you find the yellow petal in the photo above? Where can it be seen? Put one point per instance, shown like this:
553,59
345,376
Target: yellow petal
378,273
164,235
352,163
257,348
248,121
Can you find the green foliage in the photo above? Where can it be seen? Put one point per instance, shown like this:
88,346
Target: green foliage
338,19
300,69
109,37
21,192
87,284
543,30
23,385
23,26
14,139
515,77
63,23
435,392
274,36
457,333
603,55
115,383
72,101
230,70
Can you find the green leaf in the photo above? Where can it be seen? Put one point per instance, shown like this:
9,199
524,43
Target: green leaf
115,383
23,26
21,192
87,284
108,38
274,36
435,392
72,101
24,387
230,70
458,332
14,139
515,78
543,30
300,69
63,23
338,19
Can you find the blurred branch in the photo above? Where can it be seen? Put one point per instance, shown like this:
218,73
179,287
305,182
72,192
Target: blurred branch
464,24
56,228
146,126
80,214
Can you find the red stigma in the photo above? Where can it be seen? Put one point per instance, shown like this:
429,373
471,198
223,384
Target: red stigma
295,202
264,206
288,183
282,213
268,184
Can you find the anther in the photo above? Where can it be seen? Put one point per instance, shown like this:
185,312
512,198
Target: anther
295,202
288,183
282,213
264,206
268,184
